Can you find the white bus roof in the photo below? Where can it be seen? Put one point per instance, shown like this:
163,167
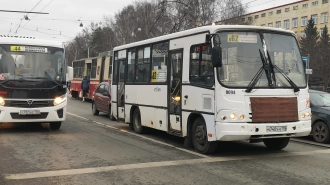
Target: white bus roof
211,29
18,40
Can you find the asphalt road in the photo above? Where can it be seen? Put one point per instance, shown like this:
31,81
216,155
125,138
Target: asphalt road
94,150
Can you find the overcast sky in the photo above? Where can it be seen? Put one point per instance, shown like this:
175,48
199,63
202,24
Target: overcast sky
62,21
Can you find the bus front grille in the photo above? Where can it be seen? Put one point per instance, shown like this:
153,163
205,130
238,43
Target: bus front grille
28,104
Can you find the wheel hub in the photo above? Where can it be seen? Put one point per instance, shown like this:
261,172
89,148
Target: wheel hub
320,132
200,135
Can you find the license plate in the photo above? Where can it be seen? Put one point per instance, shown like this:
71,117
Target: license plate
29,112
276,128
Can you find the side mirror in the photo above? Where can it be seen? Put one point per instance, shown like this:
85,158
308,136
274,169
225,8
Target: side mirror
216,56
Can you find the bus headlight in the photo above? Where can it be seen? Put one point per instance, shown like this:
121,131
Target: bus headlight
2,101
59,100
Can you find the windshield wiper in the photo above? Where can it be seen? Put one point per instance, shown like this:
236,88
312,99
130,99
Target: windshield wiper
256,78
295,87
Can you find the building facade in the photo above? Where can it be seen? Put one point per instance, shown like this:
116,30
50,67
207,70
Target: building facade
293,16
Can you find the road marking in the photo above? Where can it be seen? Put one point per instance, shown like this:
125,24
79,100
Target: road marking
309,142
76,116
144,137
57,173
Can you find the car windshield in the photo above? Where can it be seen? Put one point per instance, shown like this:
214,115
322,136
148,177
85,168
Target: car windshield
320,99
241,59
32,62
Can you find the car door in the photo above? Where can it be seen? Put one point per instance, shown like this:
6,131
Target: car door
98,97
106,97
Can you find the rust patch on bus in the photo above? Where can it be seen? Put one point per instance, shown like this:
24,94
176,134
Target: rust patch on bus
273,109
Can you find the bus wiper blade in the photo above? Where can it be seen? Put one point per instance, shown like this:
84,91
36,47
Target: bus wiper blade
258,75
295,87
254,80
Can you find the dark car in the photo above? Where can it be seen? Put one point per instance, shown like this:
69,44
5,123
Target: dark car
320,105
101,101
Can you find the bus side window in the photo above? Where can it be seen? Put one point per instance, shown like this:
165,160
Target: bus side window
201,69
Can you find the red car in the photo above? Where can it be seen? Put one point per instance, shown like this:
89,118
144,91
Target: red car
101,100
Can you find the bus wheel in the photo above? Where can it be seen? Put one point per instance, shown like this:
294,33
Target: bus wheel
138,128
55,125
199,138
276,143
94,110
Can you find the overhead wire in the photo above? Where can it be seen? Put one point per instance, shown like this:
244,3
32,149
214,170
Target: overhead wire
26,16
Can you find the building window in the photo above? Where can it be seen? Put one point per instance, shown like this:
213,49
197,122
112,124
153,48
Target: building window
314,17
263,25
250,18
263,15
159,62
201,69
243,19
286,24
256,16
325,1
295,23
270,13
305,5
287,9
278,11
304,21
324,17
315,3
270,24
278,24
295,7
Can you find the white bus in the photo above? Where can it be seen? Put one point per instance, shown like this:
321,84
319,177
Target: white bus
32,81
214,83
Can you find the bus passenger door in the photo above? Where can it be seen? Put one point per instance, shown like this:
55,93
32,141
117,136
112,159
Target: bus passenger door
174,92
121,90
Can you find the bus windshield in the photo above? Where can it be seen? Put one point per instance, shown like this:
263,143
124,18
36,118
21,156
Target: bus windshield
241,59
32,62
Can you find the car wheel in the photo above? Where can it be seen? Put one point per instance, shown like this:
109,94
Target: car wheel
199,138
320,132
94,110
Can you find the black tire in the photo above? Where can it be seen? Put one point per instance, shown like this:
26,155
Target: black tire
74,94
130,126
94,110
55,125
138,128
276,143
320,132
199,138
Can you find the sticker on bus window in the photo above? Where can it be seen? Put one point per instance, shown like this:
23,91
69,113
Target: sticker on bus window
29,49
159,75
242,38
